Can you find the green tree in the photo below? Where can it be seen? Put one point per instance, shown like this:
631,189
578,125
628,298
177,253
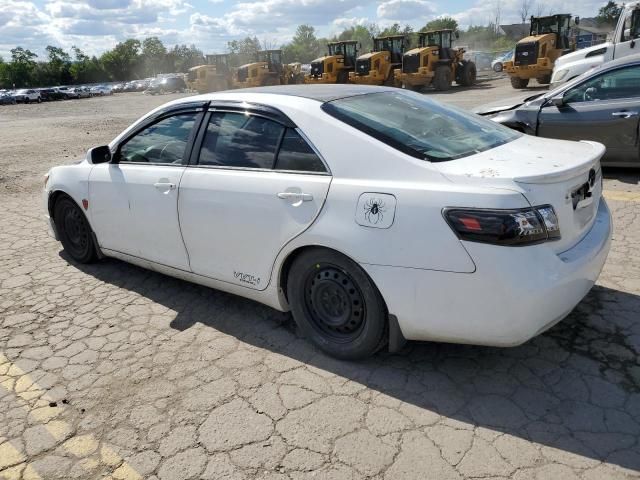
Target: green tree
608,15
304,46
58,69
243,51
363,34
154,56
183,57
21,67
123,61
396,29
441,24
86,69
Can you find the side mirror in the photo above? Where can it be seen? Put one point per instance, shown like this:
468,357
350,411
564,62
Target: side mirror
577,21
457,34
98,155
557,100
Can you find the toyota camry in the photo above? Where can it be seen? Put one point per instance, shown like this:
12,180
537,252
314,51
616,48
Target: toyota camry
373,214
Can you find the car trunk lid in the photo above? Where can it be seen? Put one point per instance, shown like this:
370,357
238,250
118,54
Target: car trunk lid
564,174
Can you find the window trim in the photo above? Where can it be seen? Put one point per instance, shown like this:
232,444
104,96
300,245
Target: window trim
600,74
194,159
152,120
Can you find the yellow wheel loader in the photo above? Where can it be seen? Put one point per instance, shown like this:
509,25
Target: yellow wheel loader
535,55
212,77
434,62
334,67
377,67
266,70
292,74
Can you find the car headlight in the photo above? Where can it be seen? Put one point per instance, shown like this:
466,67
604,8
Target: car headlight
560,75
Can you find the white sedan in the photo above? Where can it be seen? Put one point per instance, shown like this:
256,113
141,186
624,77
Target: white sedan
374,214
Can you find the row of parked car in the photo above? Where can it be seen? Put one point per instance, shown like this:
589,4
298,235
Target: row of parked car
37,95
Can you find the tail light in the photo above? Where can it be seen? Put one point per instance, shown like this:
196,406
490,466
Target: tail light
505,227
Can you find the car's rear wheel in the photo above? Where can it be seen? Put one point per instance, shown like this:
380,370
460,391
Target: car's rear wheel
74,231
336,305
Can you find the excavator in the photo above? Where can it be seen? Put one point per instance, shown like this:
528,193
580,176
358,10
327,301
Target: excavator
213,76
334,67
535,55
435,62
377,67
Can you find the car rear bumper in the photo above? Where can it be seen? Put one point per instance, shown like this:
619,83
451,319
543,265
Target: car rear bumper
515,293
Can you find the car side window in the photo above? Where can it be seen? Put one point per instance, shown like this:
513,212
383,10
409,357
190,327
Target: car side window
295,154
164,142
239,140
617,84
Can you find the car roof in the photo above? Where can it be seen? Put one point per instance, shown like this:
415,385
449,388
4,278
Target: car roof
321,93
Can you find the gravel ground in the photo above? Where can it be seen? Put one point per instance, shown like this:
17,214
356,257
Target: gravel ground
112,371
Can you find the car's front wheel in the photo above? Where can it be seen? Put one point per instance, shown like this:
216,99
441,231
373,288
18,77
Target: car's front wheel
336,305
74,231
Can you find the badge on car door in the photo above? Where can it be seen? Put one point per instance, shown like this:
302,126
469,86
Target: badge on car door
376,210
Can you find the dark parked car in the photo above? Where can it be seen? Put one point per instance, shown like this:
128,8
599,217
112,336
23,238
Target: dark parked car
7,99
602,105
166,85
49,94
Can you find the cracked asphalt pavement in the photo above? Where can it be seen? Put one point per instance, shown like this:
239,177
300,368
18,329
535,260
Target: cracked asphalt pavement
112,371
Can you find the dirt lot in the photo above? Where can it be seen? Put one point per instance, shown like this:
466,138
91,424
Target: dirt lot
112,371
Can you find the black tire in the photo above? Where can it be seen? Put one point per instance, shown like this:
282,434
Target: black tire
467,74
442,79
74,231
519,83
544,79
336,305
498,67
26,100
343,76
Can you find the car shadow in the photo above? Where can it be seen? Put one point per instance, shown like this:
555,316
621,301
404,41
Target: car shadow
568,389
623,175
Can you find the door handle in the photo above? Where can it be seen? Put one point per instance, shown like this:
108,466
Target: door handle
624,114
305,197
164,185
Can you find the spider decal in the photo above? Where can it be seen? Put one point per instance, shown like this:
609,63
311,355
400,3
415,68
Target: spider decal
374,209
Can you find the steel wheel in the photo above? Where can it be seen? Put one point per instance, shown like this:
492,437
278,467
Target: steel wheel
74,231
334,303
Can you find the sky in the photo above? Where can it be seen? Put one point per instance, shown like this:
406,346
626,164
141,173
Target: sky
97,25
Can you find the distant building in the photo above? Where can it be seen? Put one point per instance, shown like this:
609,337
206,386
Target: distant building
590,32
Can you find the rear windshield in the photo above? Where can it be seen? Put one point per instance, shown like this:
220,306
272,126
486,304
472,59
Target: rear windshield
419,127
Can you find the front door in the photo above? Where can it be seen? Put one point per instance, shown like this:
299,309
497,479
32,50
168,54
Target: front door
256,186
605,108
133,202
628,39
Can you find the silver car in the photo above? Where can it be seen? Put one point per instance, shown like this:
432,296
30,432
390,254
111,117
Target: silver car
602,105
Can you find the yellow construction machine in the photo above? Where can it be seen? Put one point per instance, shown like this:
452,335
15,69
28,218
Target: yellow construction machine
213,76
292,74
336,65
535,55
266,70
435,62
377,67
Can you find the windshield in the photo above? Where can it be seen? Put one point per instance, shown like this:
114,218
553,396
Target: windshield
420,127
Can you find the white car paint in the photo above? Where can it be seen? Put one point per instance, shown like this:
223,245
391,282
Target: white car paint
229,229
576,63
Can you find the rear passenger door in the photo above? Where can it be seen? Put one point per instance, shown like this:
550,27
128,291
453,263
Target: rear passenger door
255,184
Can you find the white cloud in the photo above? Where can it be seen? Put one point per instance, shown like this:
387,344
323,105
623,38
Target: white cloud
405,10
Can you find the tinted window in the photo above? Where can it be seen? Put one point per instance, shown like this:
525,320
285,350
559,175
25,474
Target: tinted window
239,140
621,83
420,127
296,154
162,142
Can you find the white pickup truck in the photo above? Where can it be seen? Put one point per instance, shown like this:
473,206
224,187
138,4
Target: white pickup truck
626,41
